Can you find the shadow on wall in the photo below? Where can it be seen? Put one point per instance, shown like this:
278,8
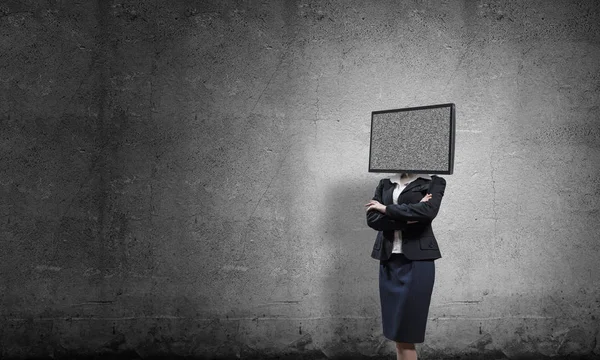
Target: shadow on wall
351,287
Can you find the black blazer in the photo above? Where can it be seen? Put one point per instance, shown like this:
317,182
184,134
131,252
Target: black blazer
418,241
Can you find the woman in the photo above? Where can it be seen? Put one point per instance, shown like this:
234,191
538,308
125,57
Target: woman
401,211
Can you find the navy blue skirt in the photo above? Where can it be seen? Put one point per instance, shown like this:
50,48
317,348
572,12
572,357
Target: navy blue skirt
405,288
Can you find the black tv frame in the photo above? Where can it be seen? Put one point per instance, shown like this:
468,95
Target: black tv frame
452,119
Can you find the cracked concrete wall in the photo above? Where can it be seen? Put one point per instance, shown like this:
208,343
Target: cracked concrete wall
189,177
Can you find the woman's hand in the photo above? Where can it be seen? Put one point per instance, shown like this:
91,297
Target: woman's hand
375,205
424,199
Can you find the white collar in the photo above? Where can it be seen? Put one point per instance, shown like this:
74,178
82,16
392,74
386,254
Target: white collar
410,178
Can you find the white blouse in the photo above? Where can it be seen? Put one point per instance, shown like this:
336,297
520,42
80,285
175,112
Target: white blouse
401,183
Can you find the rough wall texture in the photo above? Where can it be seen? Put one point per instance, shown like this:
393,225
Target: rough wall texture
188,178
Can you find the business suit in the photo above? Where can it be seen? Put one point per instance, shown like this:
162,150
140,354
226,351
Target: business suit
418,240
406,280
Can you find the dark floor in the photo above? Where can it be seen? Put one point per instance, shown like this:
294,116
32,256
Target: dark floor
304,356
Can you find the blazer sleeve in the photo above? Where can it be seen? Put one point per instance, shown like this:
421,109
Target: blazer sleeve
422,211
379,221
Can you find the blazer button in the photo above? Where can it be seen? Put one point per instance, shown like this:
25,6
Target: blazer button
430,245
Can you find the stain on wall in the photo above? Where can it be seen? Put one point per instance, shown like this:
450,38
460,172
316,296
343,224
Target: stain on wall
188,178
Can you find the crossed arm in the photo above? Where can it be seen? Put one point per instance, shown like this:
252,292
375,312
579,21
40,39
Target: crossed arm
397,216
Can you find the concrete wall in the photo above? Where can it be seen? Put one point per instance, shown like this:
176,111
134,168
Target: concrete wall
188,178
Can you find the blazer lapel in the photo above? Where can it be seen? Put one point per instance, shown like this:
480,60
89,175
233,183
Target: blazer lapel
414,183
388,191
